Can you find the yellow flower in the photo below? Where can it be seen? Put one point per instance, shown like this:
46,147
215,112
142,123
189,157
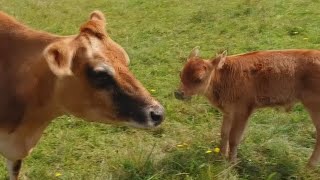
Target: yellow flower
209,151
152,90
58,174
182,145
216,150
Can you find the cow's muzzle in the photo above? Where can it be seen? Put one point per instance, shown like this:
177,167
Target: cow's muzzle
155,114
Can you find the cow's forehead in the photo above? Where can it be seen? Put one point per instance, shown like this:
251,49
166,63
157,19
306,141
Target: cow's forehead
105,48
93,45
96,45
191,67
191,70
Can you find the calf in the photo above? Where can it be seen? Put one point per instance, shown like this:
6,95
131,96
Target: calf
43,76
239,84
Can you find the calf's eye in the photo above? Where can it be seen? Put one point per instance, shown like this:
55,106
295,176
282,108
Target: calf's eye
197,80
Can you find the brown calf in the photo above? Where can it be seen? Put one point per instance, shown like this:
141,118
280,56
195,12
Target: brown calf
241,83
43,76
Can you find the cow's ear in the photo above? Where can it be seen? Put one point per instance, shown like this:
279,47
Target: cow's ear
195,52
98,16
221,58
95,25
59,58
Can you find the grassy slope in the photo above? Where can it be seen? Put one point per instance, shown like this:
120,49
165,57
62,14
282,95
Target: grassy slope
158,36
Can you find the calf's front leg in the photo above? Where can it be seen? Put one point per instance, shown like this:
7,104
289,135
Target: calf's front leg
14,168
239,123
225,131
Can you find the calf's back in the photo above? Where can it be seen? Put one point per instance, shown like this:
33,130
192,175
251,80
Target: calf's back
267,78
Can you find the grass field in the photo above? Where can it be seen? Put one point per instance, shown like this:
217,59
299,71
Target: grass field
158,36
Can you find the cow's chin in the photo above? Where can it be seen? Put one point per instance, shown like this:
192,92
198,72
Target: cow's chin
107,118
148,124
139,125
128,123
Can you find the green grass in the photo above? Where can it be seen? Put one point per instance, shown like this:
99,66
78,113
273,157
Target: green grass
158,36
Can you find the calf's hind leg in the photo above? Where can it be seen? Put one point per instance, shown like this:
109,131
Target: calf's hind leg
314,111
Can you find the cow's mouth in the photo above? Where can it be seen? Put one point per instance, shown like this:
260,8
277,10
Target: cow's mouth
149,117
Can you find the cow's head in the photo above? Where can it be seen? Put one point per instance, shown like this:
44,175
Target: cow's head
94,82
197,73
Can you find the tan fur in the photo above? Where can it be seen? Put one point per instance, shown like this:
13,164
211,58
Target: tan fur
43,76
239,84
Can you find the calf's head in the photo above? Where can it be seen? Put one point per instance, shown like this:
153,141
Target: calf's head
94,82
197,73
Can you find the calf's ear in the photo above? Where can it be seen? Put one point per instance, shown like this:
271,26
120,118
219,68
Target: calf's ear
221,58
195,52
59,58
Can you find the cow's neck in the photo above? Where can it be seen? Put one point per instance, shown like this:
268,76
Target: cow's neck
29,86
36,87
213,88
39,95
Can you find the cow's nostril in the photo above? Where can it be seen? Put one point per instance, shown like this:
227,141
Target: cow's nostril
157,115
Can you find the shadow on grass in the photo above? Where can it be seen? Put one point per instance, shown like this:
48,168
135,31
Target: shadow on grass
194,163
260,170
281,167
181,163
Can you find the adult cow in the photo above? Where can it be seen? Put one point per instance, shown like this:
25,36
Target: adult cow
43,76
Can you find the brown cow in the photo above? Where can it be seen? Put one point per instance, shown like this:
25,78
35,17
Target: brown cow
43,76
239,84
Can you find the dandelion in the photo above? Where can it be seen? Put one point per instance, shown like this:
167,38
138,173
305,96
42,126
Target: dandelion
216,150
57,174
182,145
208,152
152,90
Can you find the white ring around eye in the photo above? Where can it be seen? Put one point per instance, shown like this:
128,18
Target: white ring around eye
102,67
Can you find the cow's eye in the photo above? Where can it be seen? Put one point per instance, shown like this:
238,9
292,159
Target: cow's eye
197,80
100,78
